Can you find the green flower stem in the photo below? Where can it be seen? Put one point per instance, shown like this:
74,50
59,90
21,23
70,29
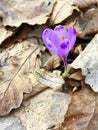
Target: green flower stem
66,72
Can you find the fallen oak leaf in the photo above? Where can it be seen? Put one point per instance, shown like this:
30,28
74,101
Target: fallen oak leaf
52,80
76,75
93,123
81,110
30,12
21,33
84,3
44,111
87,61
87,24
15,79
62,10
36,88
10,122
17,36
52,63
78,49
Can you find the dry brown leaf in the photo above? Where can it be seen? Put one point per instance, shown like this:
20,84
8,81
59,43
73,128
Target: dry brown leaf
45,111
16,75
24,32
53,80
62,10
18,35
77,50
84,3
36,87
16,12
87,61
52,63
93,125
80,111
88,23
76,75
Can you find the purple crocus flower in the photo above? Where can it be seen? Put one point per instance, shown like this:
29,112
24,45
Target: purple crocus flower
60,41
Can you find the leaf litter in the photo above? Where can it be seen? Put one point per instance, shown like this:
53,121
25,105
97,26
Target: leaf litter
15,79
22,54
30,12
88,64
46,110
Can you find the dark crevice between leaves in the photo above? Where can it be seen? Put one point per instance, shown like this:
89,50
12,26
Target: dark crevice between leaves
20,34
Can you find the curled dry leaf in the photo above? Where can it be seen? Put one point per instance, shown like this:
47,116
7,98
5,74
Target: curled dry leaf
20,11
62,10
52,63
88,23
52,80
77,50
16,76
80,111
84,3
45,111
76,75
87,61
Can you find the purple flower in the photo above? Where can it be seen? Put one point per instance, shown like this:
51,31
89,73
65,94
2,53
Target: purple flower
60,41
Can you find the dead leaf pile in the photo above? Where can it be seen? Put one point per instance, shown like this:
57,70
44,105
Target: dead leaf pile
45,111
16,12
33,94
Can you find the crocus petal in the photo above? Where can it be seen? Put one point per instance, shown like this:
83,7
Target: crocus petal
51,36
63,48
61,32
63,51
72,36
60,41
51,46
